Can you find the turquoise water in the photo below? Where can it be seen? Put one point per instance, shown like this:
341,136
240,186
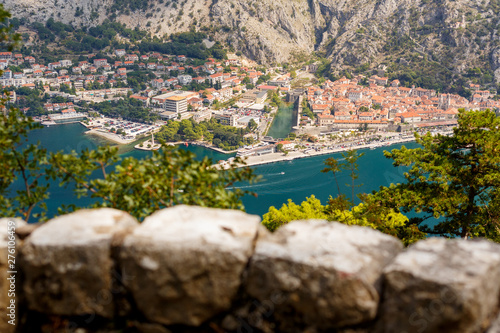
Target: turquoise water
71,137
296,179
302,178
282,124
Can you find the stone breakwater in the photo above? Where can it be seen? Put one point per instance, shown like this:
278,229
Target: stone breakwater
192,269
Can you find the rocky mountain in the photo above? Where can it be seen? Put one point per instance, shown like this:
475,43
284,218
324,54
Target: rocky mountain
451,36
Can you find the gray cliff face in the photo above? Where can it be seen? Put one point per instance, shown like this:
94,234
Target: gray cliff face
461,34
495,63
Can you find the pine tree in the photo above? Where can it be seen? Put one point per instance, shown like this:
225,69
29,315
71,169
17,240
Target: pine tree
455,178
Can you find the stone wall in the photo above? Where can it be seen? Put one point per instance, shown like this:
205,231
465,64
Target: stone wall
192,269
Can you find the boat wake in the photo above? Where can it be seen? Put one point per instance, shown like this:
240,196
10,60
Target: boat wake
273,174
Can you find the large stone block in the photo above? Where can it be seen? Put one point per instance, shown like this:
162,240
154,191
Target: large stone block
319,273
67,262
441,285
9,288
184,264
495,327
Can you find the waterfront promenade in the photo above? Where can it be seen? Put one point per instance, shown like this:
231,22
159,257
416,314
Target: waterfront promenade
277,157
331,149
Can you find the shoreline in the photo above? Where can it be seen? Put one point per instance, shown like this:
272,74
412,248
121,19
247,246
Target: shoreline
280,157
144,144
109,136
227,152
101,132
263,159
194,143
103,135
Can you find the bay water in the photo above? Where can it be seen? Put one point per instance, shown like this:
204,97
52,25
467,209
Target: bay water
281,181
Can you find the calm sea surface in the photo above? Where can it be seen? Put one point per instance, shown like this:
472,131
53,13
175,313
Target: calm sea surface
294,180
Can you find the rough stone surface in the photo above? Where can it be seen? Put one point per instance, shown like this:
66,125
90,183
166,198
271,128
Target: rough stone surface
441,285
184,264
495,327
24,230
150,328
4,268
495,63
320,273
67,262
219,270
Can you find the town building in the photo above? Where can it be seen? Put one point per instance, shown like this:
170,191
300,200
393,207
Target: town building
175,101
184,79
100,62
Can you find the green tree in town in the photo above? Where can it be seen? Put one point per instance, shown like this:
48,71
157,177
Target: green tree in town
363,128
274,97
306,110
252,125
455,178
222,136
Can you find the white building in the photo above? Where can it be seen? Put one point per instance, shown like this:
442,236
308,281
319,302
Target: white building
245,120
120,52
355,95
176,101
167,115
176,104
4,64
202,115
219,77
54,65
12,82
184,79
7,74
226,119
66,63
